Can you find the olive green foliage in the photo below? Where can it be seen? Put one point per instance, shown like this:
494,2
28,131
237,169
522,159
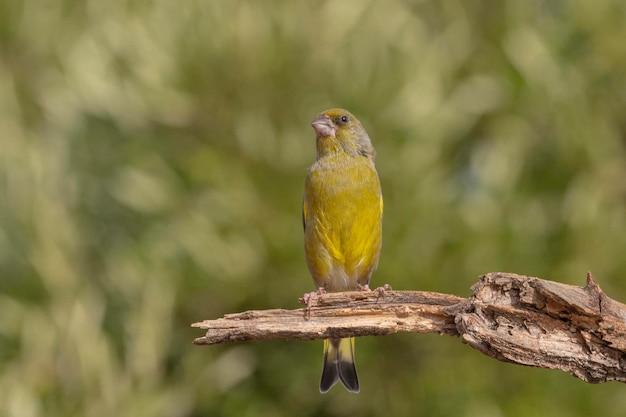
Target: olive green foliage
152,159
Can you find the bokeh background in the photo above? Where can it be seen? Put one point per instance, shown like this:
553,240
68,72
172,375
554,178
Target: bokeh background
152,157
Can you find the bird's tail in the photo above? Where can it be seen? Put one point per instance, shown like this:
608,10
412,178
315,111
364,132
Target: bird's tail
339,365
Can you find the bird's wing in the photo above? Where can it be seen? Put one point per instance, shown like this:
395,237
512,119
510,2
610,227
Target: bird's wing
305,208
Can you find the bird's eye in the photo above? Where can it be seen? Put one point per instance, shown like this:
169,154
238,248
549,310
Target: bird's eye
344,119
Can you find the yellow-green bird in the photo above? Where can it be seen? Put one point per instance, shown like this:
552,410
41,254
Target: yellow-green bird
342,213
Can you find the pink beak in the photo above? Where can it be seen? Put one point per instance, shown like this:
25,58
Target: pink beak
323,126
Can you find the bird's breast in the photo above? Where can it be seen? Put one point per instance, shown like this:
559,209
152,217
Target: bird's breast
343,223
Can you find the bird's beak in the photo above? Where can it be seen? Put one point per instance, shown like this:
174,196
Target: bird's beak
323,126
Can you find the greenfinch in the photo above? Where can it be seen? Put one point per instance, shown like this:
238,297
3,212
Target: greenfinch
342,214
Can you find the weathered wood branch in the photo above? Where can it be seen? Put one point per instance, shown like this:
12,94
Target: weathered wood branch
510,317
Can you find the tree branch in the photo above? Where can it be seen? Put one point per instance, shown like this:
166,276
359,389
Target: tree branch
512,318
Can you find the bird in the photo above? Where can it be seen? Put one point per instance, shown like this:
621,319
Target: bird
342,213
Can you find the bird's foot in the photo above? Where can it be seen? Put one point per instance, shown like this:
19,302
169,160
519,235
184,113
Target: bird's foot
380,291
308,299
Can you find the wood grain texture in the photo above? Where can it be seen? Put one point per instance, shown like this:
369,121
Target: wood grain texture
512,318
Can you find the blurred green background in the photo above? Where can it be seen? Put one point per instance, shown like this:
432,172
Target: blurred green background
152,158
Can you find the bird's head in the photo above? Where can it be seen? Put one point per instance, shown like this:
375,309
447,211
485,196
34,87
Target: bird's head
339,131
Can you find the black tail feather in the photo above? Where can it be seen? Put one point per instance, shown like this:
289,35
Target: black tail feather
339,365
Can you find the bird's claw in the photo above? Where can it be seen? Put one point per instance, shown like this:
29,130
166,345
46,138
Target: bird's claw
308,300
380,291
